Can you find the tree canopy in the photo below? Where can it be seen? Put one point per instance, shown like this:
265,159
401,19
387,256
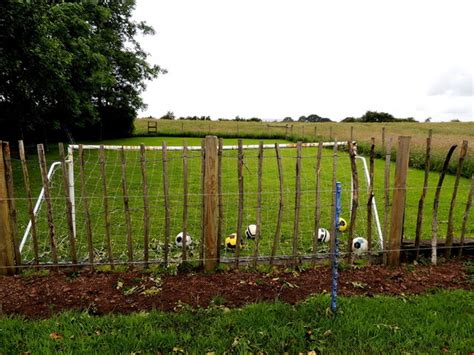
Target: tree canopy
71,66
374,116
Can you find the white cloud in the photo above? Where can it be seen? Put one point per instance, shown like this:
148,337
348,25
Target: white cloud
454,82
275,58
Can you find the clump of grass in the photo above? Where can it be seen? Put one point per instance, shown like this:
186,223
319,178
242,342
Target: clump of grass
439,322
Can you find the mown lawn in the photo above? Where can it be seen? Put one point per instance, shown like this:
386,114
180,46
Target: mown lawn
432,323
230,197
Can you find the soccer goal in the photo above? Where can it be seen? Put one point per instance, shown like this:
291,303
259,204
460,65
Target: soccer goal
115,219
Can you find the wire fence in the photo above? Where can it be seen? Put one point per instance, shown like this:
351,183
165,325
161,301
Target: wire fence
129,205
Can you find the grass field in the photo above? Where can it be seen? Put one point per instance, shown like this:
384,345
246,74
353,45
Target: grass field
432,323
444,135
269,208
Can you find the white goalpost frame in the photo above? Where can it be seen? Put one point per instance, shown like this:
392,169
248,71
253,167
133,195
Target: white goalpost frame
374,204
70,167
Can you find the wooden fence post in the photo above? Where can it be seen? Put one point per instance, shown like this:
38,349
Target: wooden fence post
398,204
259,203
211,214
296,221
105,202
421,202
220,231
317,208
67,195
355,199
240,212
383,137
450,232
164,157
185,199
352,134
333,205
11,200
434,224
49,206
371,194
146,209
7,250
26,180
276,238
388,154
85,201
466,216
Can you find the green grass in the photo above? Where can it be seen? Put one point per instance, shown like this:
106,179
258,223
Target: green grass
429,323
444,135
230,189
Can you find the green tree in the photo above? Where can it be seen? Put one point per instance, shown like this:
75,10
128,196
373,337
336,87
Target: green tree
73,66
373,116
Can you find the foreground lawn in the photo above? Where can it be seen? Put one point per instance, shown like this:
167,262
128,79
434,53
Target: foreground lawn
430,323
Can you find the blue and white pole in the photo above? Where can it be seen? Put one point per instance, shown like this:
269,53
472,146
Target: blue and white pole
336,250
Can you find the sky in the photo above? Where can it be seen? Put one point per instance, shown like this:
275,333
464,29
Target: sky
272,58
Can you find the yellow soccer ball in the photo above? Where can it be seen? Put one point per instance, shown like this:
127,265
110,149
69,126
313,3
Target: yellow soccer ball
342,225
231,241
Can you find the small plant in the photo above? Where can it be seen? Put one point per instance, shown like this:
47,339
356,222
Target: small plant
218,301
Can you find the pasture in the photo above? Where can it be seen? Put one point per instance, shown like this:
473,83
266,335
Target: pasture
445,134
270,201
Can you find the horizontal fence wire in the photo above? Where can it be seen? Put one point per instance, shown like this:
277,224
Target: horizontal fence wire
153,162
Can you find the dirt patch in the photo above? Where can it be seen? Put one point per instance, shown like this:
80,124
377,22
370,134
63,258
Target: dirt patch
126,292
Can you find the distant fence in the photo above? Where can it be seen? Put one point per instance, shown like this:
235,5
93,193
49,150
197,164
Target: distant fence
200,191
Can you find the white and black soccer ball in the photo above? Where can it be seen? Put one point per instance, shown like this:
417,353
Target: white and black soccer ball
179,239
359,245
323,235
251,231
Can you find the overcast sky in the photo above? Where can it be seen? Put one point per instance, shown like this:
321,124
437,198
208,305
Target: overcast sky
272,58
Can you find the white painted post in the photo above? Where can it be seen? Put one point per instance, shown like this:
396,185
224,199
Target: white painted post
70,163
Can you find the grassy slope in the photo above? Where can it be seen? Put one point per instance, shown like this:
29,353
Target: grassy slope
430,323
269,210
444,134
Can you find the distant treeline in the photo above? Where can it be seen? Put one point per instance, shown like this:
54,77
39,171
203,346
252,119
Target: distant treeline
369,116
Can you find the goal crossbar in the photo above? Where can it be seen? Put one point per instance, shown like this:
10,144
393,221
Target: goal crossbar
198,147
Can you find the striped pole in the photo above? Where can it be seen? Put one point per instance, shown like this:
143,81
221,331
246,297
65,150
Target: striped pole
336,250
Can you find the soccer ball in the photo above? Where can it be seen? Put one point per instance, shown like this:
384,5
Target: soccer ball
251,231
231,241
359,245
342,225
323,235
179,239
